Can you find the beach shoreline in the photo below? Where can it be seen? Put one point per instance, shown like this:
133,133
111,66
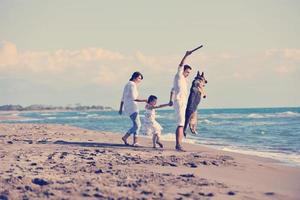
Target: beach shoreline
42,161
280,157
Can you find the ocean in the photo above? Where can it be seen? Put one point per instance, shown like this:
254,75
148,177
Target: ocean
267,132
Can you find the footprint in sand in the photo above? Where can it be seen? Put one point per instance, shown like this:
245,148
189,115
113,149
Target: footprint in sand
187,175
192,165
188,194
206,195
40,182
269,193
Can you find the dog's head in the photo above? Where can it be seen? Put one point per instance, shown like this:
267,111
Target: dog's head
199,77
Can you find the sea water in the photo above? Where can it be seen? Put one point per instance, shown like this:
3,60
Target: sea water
267,132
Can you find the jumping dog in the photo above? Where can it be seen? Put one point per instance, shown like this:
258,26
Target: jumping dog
196,93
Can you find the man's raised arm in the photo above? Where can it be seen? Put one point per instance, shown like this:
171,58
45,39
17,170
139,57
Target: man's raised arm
187,53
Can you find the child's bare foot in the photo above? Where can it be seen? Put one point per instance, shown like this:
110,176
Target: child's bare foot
136,145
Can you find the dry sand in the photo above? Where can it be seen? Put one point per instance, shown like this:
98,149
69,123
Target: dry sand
40,161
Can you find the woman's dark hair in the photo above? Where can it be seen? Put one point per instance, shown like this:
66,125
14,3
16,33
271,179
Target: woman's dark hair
187,67
135,75
151,98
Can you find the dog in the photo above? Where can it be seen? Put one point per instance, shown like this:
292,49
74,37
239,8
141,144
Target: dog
193,102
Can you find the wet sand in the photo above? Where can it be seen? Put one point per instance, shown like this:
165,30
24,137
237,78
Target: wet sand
41,161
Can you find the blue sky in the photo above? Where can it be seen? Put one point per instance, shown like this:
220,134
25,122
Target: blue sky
67,52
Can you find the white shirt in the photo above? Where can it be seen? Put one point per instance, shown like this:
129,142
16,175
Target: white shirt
130,93
180,87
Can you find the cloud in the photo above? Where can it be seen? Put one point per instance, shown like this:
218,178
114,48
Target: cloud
227,56
287,60
105,76
291,54
77,73
103,67
282,70
56,61
8,54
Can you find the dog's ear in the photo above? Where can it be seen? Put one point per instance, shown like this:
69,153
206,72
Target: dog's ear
198,73
202,74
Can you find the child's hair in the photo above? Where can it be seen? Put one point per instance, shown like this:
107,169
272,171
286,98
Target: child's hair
151,98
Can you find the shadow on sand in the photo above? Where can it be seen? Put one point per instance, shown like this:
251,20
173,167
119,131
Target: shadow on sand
103,145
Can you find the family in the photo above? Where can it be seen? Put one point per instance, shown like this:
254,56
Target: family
185,105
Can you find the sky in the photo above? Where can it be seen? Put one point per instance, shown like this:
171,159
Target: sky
70,51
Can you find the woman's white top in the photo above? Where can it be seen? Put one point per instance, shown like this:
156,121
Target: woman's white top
130,94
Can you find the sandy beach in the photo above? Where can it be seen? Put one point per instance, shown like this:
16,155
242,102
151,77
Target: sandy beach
40,161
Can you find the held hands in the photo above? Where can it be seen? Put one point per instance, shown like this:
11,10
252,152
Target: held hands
170,103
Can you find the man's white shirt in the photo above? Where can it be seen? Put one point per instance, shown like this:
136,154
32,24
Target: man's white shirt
180,87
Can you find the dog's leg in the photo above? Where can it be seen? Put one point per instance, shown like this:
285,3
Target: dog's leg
193,122
187,120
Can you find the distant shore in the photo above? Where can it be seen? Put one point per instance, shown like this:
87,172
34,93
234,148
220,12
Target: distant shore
40,161
39,108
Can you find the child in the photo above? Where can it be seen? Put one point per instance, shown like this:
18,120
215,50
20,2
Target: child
150,124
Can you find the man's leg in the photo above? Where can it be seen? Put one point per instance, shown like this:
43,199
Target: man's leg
180,114
179,136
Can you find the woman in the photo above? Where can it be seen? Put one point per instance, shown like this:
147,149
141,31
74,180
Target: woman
129,103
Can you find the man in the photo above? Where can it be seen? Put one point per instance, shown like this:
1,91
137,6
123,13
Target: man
179,96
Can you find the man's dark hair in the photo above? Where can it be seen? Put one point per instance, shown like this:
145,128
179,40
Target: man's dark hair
151,98
135,75
187,67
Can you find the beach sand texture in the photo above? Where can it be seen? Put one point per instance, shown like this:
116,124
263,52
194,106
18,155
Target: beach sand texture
39,161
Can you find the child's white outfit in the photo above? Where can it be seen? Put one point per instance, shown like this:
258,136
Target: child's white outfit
150,125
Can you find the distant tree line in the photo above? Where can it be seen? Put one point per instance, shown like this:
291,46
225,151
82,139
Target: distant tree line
47,107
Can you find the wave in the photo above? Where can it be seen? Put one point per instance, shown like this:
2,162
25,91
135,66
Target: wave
171,137
72,117
286,114
255,116
28,120
92,115
285,157
275,115
51,118
289,114
82,113
107,117
165,116
206,121
47,114
224,116
288,158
